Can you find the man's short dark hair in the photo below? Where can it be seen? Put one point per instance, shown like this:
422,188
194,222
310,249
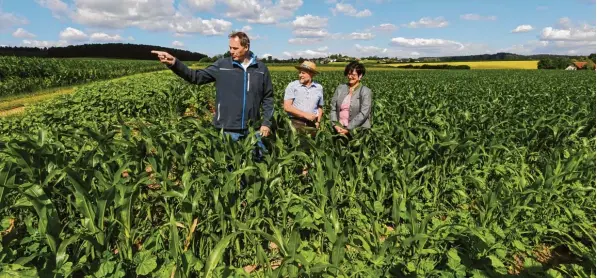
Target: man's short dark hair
242,36
354,65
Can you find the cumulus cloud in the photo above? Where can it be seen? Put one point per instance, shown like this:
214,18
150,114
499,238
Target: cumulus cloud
59,9
309,22
348,9
42,44
72,34
429,43
304,40
585,33
362,36
309,29
7,20
261,11
178,44
523,29
428,22
308,54
476,17
370,50
103,37
201,26
385,27
309,33
436,47
23,34
151,15
201,5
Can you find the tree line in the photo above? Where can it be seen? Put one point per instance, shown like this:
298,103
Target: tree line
564,62
105,50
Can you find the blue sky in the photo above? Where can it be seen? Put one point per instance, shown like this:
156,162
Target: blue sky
306,28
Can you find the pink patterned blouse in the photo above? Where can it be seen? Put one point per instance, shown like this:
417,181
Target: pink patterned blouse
344,110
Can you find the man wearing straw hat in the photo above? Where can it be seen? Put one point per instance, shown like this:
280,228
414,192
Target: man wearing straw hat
303,99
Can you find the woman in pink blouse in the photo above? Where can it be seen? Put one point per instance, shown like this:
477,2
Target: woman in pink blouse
351,103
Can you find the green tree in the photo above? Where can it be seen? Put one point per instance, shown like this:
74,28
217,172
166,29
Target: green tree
589,65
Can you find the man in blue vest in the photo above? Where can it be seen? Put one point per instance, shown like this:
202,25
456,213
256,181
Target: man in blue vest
243,87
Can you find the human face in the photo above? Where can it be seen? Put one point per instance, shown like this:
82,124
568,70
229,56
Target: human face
353,78
305,77
237,51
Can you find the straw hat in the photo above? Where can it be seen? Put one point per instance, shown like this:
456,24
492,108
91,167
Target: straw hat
308,66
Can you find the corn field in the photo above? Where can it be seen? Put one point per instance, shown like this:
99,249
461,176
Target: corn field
22,75
464,174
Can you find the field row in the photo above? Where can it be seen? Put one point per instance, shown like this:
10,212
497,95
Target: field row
464,174
22,75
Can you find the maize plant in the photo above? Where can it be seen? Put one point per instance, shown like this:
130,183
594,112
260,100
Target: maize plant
463,174
23,75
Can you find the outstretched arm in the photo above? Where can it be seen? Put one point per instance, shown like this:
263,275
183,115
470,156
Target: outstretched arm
199,77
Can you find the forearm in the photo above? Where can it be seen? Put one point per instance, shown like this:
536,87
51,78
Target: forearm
319,114
193,76
294,111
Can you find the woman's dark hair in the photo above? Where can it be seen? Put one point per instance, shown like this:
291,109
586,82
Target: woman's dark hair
354,65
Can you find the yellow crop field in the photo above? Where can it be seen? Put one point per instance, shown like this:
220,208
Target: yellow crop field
483,64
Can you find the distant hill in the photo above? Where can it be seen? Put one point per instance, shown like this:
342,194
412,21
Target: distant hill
500,56
104,50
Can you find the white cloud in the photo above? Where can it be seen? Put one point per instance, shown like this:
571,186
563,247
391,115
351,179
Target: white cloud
103,37
202,5
264,56
552,47
309,33
22,34
425,43
523,29
309,29
304,40
130,38
148,15
57,7
178,44
72,34
434,47
152,15
201,26
41,44
478,17
310,22
8,20
308,54
385,27
576,33
322,49
370,50
261,11
246,28
564,23
428,22
349,10
362,36
415,54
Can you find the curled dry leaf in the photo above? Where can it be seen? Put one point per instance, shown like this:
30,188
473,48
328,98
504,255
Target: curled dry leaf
11,225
